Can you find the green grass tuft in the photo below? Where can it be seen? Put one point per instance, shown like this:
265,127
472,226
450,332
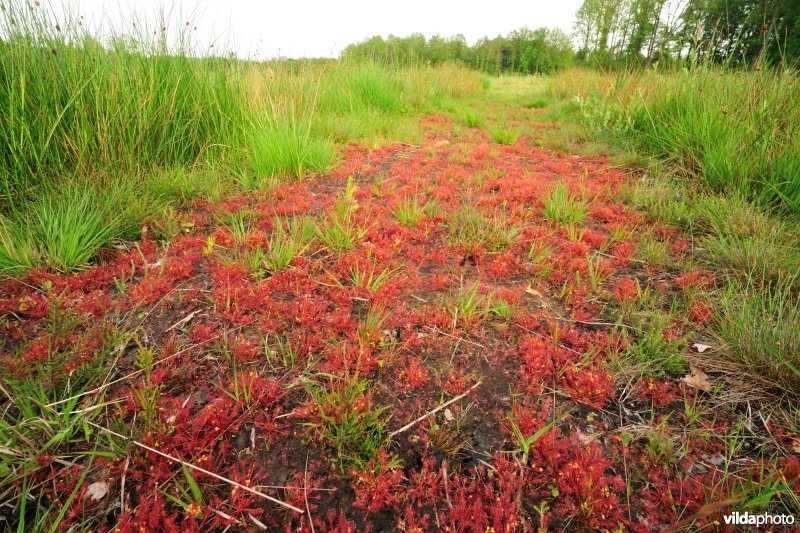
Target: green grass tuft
180,185
410,212
504,135
470,227
62,230
129,106
286,148
345,418
473,119
561,206
761,328
340,233
727,129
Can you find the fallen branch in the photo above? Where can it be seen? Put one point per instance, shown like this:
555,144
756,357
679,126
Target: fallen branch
199,469
183,321
703,512
446,485
305,495
429,413
714,507
137,372
462,339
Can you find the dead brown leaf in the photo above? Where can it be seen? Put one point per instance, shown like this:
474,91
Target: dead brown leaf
97,490
697,379
700,347
533,292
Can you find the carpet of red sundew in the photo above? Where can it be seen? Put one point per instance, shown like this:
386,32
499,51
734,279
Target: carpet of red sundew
533,366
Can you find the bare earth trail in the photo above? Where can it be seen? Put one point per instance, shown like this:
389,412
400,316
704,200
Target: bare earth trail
437,271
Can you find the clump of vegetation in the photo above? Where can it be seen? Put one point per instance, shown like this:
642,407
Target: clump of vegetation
64,229
371,278
504,135
743,240
501,308
344,417
707,122
105,108
340,232
180,186
761,328
284,147
470,227
661,198
410,211
472,119
562,207
470,305
288,242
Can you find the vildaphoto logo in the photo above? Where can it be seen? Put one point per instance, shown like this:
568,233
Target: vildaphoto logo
764,519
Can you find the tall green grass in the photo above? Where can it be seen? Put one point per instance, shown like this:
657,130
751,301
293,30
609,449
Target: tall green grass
730,129
734,135
72,106
285,147
365,89
761,328
131,111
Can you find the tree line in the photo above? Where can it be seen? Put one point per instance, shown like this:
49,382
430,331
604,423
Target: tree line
618,32
525,51
730,32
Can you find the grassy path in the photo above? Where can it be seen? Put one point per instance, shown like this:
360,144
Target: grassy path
286,339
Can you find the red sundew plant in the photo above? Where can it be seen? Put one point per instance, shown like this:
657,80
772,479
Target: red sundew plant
696,279
149,290
589,386
337,523
658,391
377,486
426,485
301,488
589,492
31,305
307,382
627,291
241,349
487,501
701,312
413,375
458,381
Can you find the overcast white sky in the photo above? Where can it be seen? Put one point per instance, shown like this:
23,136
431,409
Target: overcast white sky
305,28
